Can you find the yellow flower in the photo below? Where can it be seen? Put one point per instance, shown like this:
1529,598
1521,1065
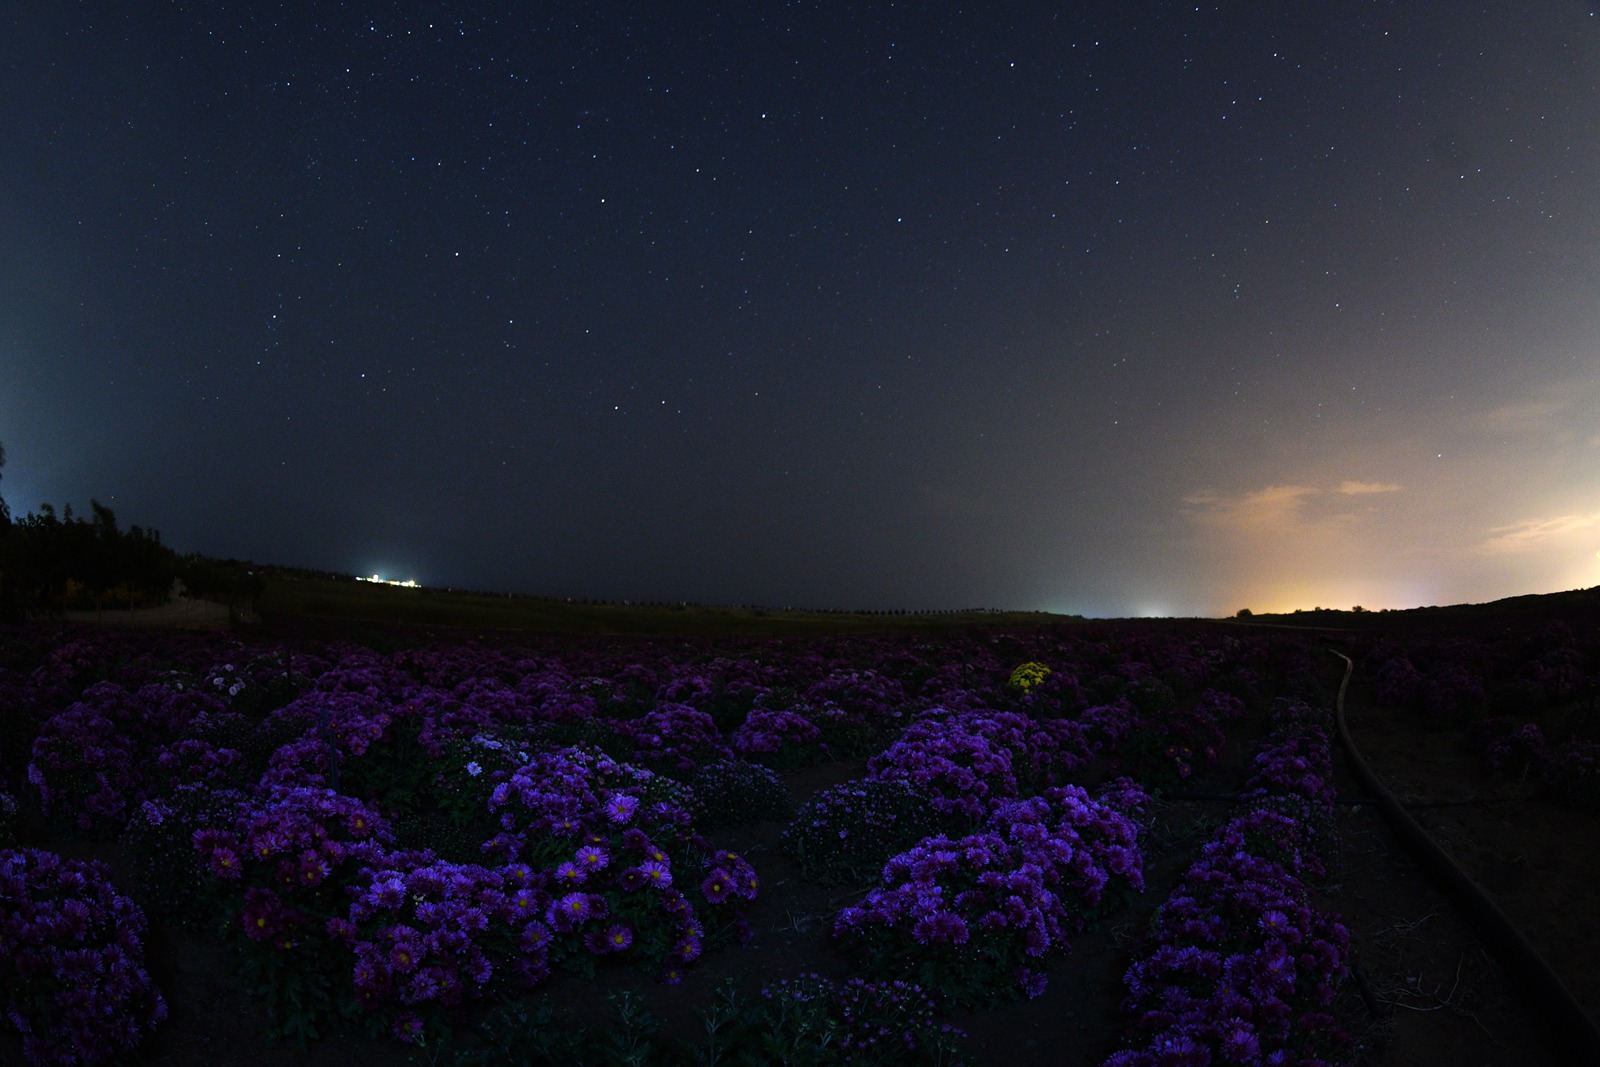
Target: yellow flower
1028,675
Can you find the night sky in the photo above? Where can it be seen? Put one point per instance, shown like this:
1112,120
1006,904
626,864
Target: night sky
1107,308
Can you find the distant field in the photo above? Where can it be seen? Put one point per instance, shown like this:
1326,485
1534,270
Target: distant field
368,602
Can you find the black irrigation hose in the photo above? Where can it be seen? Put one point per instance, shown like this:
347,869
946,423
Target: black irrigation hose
1234,798
1571,1031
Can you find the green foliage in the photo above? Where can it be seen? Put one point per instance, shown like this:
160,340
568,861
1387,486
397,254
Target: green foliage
1151,696
848,735
845,835
457,784
531,1035
448,840
299,996
811,1021
257,741
168,878
807,1021
735,792
396,770
8,820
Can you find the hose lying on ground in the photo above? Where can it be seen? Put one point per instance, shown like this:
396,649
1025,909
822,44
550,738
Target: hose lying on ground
1571,1032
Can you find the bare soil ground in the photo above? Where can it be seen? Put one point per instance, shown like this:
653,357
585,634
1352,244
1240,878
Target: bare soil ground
179,613
1445,999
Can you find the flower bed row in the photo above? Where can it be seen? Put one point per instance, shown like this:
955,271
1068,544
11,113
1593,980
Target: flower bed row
391,838
1240,965
978,917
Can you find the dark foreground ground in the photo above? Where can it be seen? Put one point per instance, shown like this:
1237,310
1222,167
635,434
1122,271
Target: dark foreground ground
1433,995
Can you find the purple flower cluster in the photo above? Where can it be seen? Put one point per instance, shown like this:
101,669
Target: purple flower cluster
780,738
1507,747
868,691
1557,670
90,761
83,766
1108,725
976,915
965,761
614,841
168,874
1399,683
961,772
428,936
674,737
1239,966
72,971
1143,730
191,761
1298,763
563,796
1573,774
467,772
290,860
1453,694
1221,706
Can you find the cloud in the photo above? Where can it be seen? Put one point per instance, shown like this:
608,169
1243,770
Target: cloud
1286,546
1552,409
1275,509
1281,509
1530,534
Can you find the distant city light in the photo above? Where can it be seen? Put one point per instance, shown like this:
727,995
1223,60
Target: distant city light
407,584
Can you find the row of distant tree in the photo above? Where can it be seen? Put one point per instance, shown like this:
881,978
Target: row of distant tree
52,562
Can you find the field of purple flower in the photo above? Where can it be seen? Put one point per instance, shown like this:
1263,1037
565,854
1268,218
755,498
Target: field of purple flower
435,846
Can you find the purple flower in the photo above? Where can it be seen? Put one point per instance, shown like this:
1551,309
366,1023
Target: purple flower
717,885
1033,983
621,807
568,911
523,902
403,956
1239,1042
225,863
535,936
941,928
408,1028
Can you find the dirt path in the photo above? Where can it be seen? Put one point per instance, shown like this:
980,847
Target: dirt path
179,613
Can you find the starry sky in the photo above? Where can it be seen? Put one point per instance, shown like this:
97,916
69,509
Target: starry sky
1111,308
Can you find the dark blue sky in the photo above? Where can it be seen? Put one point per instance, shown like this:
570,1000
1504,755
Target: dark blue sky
1111,308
